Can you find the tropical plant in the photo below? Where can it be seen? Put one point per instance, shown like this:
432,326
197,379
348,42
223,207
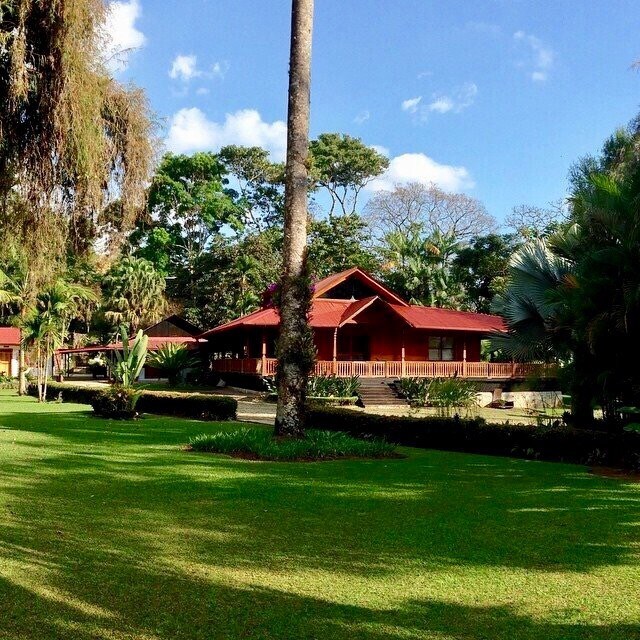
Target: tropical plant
419,267
333,387
173,360
452,394
131,358
116,402
133,291
446,394
317,445
45,326
576,295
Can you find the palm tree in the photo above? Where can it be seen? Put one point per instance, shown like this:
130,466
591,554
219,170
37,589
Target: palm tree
16,294
295,345
46,325
133,291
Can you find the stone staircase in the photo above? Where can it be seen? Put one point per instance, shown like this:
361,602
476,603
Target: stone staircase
377,392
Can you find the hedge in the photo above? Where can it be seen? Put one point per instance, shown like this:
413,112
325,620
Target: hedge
474,435
166,403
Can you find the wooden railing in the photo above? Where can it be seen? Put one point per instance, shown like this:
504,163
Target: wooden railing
394,368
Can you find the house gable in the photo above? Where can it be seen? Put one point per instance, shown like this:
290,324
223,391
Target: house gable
355,284
172,327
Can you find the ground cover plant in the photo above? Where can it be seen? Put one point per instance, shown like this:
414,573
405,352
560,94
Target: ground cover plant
259,444
109,529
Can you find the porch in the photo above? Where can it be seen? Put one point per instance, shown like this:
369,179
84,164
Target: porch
393,368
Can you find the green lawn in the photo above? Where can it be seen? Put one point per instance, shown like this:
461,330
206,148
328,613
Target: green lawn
109,530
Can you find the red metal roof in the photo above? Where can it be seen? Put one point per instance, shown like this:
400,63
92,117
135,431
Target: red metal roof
329,313
9,336
153,344
355,308
325,313
448,319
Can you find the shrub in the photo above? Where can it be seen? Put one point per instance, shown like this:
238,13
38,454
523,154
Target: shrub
201,406
325,386
447,394
188,405
7,382
116,402
474,435
259,444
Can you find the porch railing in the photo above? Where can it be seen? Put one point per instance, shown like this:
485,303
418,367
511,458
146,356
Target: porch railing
394,368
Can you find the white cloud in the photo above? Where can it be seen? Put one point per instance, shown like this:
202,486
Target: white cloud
219,69
460,99
411,105
191,130
455,102
542,55
418,167
362,117
442,105
120,32
184,68
202,91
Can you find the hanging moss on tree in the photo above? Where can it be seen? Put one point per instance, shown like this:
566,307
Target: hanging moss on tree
73,141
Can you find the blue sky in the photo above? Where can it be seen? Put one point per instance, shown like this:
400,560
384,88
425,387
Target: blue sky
496,98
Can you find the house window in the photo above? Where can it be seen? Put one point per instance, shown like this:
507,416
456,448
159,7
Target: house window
440,348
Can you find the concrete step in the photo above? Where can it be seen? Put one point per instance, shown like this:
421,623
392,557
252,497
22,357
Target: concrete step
376,391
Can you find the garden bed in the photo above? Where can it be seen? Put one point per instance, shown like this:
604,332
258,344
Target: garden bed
259,444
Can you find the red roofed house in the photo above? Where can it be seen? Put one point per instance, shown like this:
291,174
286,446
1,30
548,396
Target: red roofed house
9,347
363,328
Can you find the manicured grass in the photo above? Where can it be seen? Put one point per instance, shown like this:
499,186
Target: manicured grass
258,443
109,530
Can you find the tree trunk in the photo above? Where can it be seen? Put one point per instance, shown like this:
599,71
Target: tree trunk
294,343
582,391
22,378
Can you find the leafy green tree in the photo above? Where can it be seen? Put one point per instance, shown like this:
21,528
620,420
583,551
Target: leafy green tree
343,166
482,267
340,242
133,292
256,185
188,207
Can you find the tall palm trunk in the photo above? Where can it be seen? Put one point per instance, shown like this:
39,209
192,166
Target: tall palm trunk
294,344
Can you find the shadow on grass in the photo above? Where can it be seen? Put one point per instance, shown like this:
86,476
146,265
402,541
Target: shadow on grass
107,529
